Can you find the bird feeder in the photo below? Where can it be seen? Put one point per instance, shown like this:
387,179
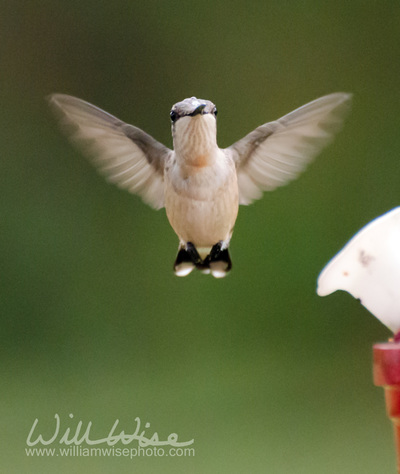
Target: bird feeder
368,267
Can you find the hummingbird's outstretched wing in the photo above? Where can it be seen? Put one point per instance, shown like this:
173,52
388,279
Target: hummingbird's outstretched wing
276,152
124,154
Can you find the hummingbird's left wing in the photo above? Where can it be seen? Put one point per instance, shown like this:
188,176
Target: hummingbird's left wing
276,152
124,154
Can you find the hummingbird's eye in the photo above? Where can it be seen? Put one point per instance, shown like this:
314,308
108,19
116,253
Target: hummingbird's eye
173,115
215,111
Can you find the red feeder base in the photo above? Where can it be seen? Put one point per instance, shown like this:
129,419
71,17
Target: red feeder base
387,375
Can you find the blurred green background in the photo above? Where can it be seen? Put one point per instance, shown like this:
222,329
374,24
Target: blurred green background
264,375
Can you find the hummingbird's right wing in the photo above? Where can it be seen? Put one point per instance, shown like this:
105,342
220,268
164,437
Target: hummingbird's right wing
277,152
124,154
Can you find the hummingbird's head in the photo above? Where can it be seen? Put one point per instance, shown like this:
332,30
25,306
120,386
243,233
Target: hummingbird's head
194,127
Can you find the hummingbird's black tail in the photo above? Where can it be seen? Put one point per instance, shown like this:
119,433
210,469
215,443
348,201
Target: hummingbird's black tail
218,262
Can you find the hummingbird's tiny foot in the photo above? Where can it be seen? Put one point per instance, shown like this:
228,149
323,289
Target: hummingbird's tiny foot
218,270
215,251
186,260
219,261
183,269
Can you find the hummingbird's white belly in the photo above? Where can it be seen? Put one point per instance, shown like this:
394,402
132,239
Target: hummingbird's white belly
202,207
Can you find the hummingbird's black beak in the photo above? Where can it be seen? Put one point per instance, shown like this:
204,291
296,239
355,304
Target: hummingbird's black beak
198,110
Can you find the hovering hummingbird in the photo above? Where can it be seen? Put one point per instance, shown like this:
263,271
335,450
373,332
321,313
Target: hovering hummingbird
199,184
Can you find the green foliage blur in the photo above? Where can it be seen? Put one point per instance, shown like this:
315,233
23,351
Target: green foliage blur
263,374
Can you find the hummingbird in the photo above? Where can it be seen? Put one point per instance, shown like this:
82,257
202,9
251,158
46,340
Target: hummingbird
199,184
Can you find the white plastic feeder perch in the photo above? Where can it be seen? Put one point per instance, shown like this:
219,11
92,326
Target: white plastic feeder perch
368,267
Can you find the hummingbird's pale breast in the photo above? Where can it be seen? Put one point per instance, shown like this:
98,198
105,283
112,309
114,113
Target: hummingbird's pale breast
203,206
201,190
